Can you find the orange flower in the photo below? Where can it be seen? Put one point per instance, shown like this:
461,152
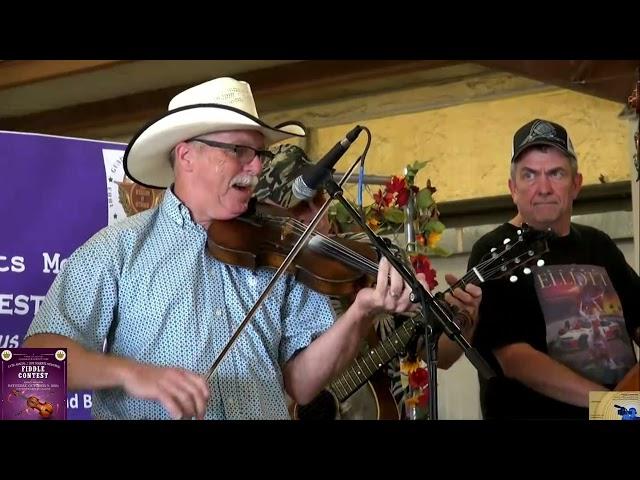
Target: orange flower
373,223
434,239
408,366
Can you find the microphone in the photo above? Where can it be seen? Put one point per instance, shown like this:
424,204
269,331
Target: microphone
304,187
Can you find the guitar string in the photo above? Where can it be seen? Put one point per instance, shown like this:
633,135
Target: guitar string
315,406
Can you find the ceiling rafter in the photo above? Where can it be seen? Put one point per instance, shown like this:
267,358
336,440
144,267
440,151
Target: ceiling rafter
609,79
322,77
14,73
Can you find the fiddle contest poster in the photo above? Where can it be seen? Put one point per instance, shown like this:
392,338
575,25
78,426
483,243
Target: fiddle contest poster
55,193
34,384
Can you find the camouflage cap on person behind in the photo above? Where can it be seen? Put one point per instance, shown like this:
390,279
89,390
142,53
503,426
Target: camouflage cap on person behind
277,177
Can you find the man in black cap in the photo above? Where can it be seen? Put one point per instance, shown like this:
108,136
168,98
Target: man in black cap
546,369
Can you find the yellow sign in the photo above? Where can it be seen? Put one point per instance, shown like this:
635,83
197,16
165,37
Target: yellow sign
614,406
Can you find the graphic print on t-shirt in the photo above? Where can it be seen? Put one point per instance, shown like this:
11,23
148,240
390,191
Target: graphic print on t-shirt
585,322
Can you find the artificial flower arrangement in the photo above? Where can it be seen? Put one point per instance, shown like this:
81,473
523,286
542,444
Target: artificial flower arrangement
387,216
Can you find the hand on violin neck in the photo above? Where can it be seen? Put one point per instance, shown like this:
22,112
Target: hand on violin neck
390,293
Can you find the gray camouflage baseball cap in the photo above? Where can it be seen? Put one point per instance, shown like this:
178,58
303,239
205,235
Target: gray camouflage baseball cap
278,175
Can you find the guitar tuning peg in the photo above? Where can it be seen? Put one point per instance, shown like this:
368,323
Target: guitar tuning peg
519,232
526,270
506,240
540,263
493,249
513,279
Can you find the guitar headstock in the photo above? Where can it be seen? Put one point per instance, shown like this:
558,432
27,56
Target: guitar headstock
514,255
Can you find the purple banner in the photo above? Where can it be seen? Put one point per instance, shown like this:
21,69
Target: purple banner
53,197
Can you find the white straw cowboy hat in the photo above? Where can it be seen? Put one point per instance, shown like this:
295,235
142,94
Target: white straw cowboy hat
217,105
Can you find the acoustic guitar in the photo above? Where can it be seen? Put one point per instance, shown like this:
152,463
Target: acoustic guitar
354,395
335,402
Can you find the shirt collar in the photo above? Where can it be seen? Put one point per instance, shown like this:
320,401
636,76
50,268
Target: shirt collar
173,208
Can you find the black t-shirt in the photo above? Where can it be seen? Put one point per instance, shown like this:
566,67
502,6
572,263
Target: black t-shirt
572,309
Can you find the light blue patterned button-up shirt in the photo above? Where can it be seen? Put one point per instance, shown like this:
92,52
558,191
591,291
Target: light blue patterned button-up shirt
177,306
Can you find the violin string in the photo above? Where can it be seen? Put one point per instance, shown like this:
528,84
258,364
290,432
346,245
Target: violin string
328,245
467,278
340,251
300,227
346,252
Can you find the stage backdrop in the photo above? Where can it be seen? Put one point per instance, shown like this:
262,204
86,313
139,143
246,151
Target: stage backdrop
55,193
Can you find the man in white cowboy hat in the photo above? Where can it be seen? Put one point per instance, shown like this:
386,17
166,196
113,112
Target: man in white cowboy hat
147,289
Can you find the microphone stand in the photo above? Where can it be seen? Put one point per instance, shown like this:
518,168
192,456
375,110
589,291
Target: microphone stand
431,340
439,310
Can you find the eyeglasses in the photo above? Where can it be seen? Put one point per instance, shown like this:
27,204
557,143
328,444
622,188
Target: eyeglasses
243,153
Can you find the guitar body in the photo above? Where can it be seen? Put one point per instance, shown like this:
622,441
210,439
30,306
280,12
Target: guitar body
372,401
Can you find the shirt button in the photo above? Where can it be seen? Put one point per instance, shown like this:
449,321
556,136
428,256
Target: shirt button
218,312
252,281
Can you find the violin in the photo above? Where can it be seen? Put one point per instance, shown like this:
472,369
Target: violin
265,235
44,408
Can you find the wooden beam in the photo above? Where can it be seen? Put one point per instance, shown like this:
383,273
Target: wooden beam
14,73
608,79
318,74
270,86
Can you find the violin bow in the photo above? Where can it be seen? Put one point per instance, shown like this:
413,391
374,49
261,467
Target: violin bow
301,242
